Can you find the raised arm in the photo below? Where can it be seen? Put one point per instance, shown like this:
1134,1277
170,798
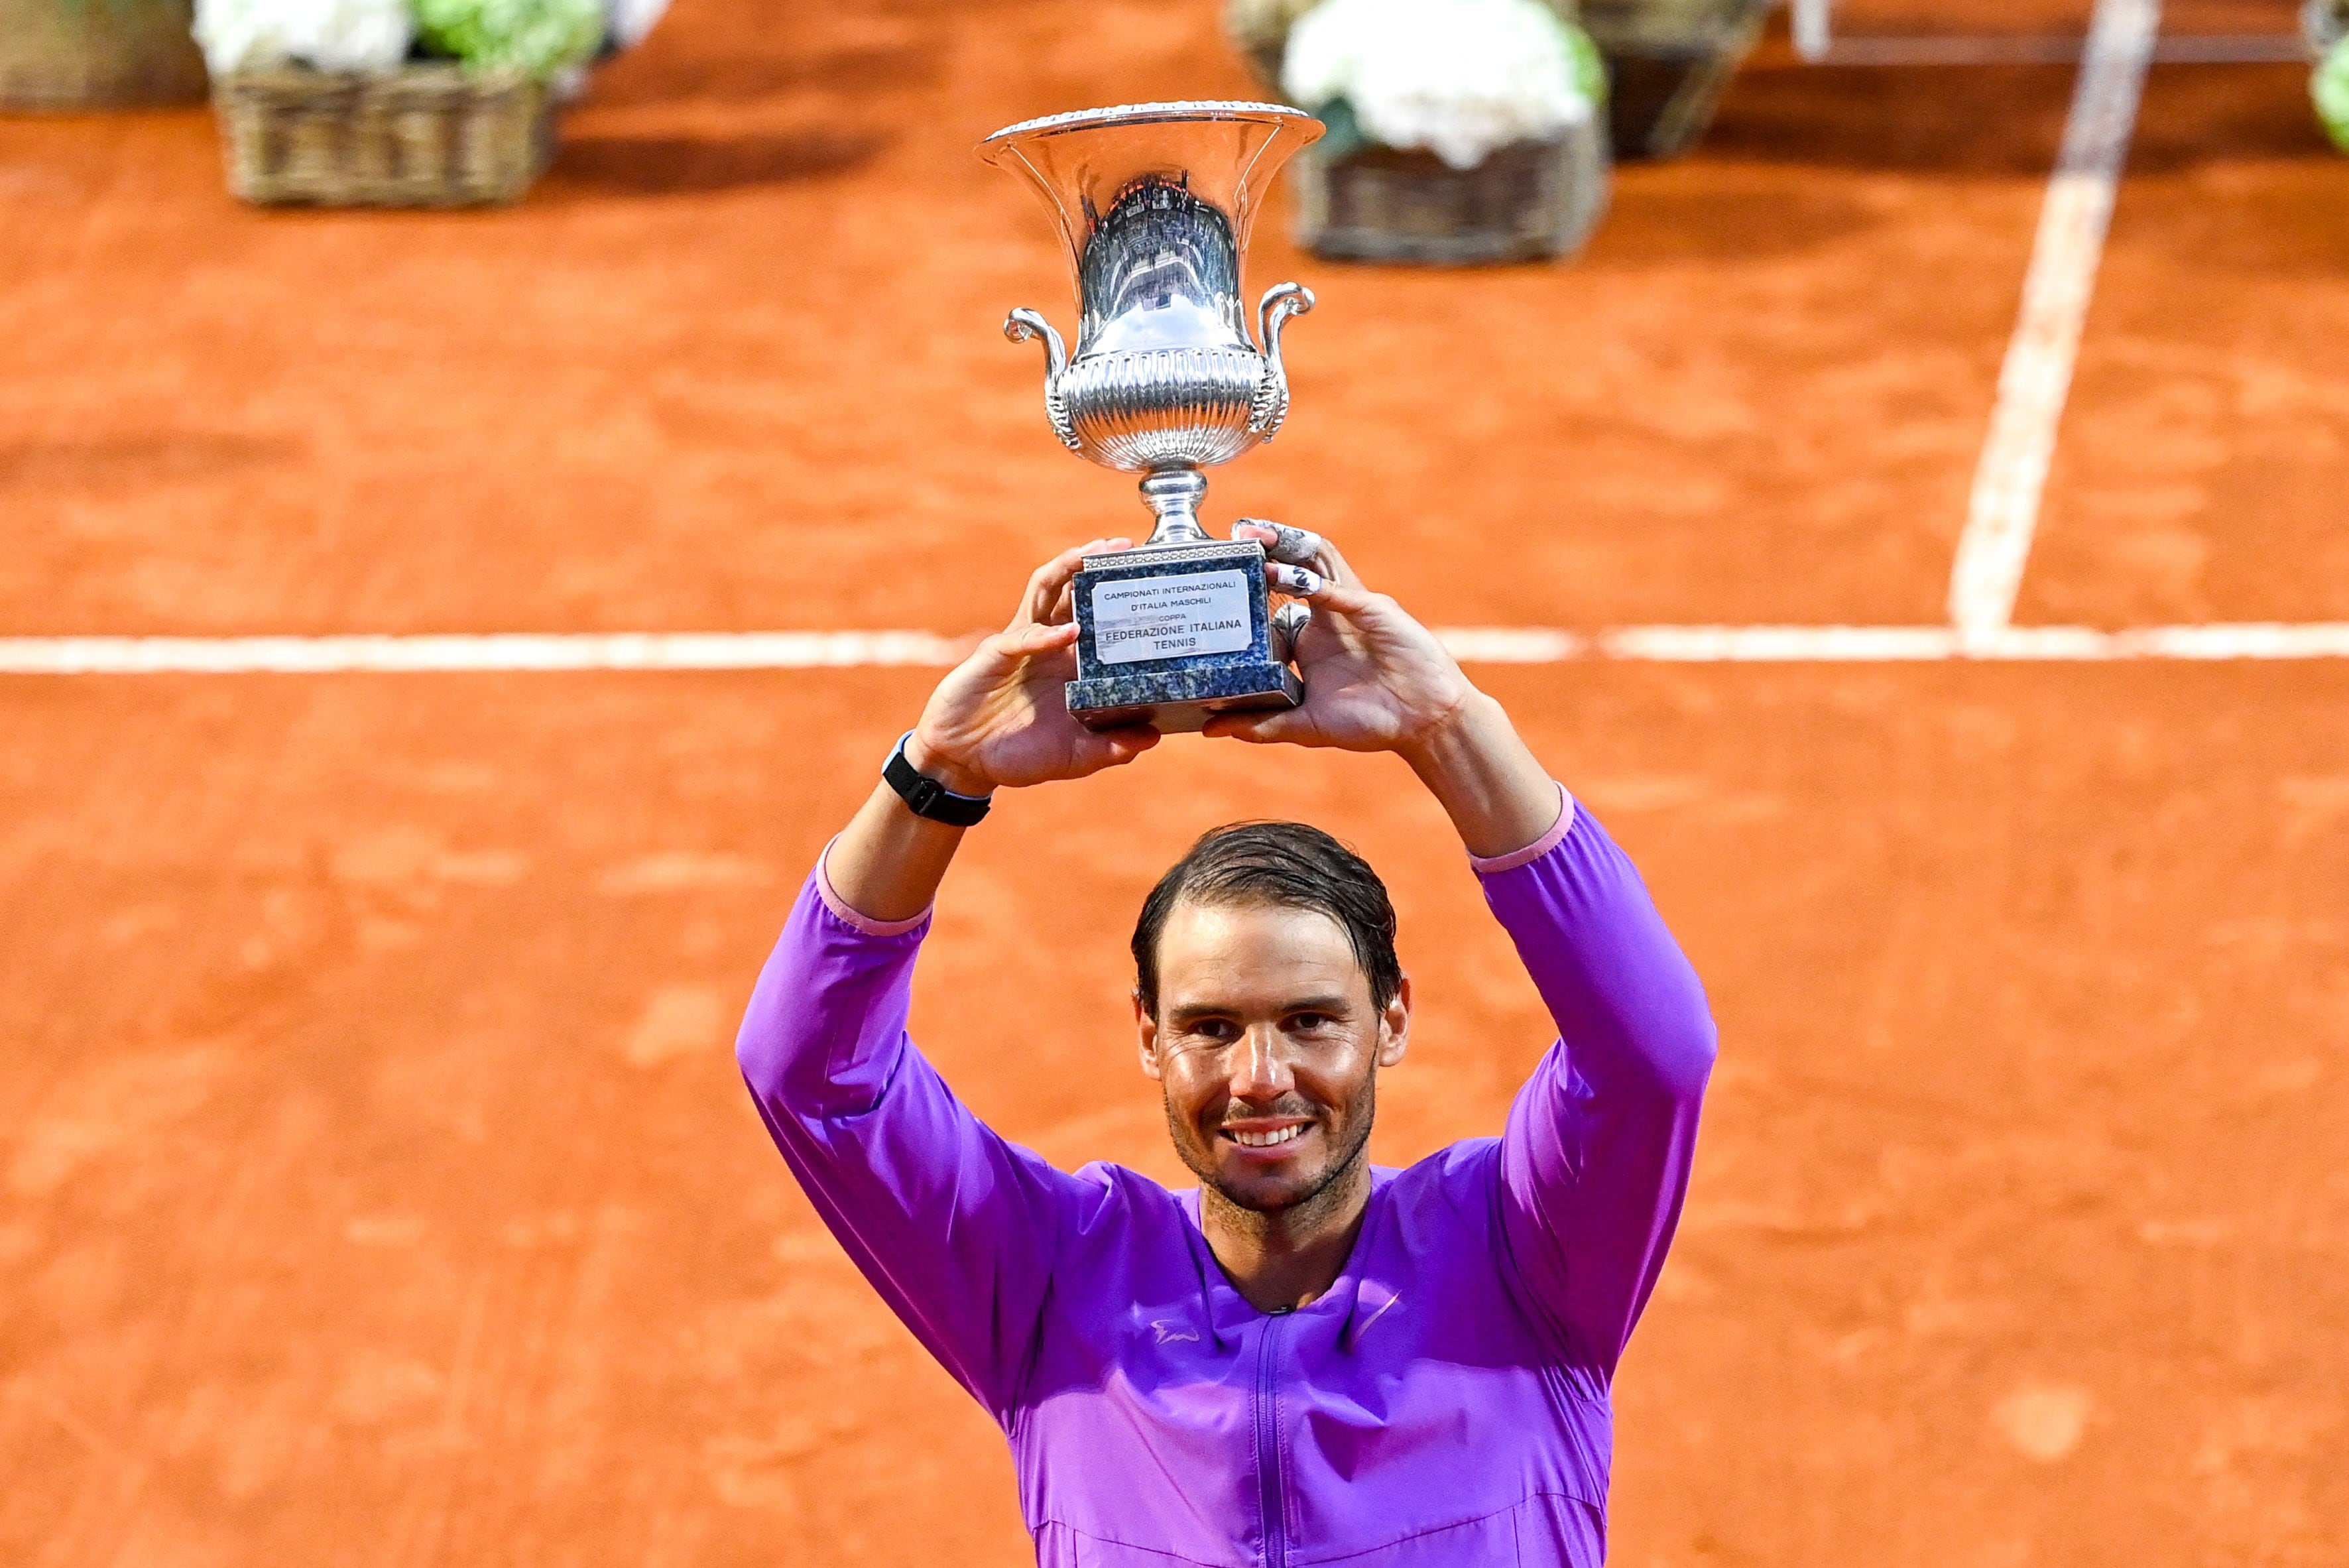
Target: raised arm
997,721
1596,1156
1377,680
954,1227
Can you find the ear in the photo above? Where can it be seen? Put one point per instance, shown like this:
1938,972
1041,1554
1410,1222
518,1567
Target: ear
1394,1025
1145,1028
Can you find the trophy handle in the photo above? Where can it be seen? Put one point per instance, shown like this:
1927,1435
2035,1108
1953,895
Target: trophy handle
1020,326
1271,407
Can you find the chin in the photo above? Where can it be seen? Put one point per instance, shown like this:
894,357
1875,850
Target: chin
1267,1194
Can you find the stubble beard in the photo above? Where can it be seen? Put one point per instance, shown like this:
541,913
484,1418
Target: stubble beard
1331,1180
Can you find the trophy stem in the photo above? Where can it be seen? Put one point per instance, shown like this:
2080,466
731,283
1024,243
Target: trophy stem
1174,494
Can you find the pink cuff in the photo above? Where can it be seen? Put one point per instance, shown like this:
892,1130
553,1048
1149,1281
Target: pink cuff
839,905
1487,865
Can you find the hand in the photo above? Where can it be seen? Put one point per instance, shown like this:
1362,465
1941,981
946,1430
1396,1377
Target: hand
1375,679
1000,719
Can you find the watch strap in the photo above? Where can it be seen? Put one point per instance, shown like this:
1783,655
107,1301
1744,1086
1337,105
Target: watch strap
926,797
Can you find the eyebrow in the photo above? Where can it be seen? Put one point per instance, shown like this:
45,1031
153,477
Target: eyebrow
1328,1002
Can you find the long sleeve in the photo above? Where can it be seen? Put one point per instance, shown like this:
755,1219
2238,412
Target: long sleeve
1595,1161
956,1227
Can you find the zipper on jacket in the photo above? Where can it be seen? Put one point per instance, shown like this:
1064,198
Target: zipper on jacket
1271,1486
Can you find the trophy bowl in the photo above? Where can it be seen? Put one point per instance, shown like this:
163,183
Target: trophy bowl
1154,203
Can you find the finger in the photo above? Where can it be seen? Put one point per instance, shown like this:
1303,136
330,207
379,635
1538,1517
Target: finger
1044,639
1063,606
1262,729
1044,601
1298,581
1324,556
1323,593
1289,622
1116,748
1007,649
1297,546
1044,585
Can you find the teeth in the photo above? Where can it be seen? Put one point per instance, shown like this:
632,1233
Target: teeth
1267,1140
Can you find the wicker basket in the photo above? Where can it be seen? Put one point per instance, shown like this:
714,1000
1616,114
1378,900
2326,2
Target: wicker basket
96,54
423,135
1667,63
1527,200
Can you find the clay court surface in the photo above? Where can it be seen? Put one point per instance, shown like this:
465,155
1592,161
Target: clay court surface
375,1186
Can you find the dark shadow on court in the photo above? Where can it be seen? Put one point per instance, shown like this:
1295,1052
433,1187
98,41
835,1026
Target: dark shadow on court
133,462
652,77
1968,120
2198,115
1646,225
688,165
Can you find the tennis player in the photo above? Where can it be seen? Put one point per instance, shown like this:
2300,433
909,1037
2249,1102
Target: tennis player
1306,1358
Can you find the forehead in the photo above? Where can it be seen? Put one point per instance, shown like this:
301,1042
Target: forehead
1228,949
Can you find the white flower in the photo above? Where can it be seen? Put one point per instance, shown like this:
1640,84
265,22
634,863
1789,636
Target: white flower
332,34
1462,77
630,20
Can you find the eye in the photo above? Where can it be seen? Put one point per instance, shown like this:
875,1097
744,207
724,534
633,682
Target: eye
1309,1023
1215,1029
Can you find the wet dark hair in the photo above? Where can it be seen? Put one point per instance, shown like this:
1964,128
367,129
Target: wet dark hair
1283,863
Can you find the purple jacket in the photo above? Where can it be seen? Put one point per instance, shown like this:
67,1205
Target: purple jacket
1445,1404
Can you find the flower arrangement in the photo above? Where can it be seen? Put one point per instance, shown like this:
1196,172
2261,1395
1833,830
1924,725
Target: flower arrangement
331,35
538,38
1459,132
401,103
1461,78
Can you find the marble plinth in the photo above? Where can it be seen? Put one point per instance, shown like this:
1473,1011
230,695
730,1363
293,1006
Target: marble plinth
1172,634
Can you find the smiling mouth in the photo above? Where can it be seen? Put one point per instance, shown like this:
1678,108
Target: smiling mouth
1269,1139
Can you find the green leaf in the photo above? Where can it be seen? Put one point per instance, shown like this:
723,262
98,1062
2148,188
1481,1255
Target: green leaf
1342,134
2330,90
538,38
1589,66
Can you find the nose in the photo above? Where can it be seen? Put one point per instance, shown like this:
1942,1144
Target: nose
1259,1066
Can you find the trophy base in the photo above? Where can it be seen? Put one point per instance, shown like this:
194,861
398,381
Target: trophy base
1174,702
1171,635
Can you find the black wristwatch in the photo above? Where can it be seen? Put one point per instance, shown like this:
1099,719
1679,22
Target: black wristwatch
926,797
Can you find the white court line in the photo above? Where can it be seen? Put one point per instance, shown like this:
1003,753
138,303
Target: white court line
526,651
2036,378
1743,644
1891,645
2021,49
483,651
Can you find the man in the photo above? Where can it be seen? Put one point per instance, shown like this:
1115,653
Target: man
1307,1360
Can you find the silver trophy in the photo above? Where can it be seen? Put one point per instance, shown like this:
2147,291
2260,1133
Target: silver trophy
1154,203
